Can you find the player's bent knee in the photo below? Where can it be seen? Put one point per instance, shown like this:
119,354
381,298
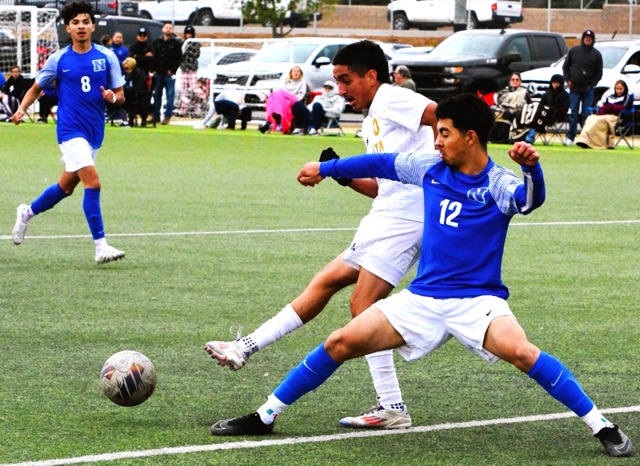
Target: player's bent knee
523,356
339,346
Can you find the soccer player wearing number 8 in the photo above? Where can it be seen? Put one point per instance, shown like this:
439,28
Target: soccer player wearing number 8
85,76
458,291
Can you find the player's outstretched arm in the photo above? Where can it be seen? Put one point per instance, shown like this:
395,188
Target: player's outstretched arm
28,99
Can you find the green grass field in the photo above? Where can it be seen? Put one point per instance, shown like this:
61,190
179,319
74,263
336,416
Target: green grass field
218,232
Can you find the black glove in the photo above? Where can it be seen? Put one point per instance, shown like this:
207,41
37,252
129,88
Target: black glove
330,154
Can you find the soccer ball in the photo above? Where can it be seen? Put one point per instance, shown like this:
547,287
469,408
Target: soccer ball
128,378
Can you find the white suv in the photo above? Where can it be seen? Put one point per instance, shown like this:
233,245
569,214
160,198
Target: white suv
200,12
620,60
262,74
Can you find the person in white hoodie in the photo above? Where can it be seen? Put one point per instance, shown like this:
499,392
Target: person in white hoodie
309,119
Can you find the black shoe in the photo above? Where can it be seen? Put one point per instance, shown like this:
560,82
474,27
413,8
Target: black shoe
251,424
614,441
264,129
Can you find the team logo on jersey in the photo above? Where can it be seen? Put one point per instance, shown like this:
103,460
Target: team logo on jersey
478,195
99,65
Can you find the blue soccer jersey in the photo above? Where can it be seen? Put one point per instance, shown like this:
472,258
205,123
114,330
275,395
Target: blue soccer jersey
466,217
77,78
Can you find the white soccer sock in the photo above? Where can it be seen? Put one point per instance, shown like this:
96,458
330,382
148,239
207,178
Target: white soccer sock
595,420
101,243
271,409
28,214
285,321
385,379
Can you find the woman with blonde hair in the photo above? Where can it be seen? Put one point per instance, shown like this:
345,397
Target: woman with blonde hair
293,89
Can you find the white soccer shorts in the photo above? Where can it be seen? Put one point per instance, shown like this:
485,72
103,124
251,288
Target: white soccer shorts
427,323
77,154
385,246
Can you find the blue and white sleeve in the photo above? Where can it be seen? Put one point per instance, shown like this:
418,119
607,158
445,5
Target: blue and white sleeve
408,167
46,77
361,166
514,196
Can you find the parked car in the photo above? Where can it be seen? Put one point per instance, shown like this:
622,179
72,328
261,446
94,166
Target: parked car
213,56
620,60
263,73
197,12
127,25
481,60
415,51
100,7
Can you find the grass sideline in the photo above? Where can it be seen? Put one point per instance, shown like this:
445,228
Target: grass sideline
573,283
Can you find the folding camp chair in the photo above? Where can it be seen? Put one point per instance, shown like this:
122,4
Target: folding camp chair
332,127
625,128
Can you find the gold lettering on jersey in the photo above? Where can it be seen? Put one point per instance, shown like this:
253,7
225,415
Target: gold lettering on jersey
378,147
375,127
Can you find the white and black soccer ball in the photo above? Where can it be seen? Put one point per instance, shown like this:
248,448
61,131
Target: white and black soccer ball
128,378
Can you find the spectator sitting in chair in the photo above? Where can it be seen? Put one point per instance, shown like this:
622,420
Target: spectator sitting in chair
309,119
557,99
17,85
280,102
599,129
509,102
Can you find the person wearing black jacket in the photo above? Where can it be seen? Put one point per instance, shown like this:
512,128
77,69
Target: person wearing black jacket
582,70
556,100
166,61
136,93
17,85
142,51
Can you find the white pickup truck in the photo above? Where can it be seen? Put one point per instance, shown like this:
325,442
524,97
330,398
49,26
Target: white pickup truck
461,14
202,12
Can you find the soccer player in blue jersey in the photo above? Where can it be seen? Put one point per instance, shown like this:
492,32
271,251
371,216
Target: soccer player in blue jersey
458,291
86,76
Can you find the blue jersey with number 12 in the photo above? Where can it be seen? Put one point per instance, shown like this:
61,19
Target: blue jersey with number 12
465,217
77,78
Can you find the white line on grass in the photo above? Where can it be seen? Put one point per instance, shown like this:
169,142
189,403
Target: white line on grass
310,230
315,439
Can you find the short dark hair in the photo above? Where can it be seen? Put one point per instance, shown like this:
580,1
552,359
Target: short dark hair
71,10
363,56
468,112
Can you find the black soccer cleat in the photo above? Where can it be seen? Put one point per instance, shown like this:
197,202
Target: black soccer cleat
615,442
251,424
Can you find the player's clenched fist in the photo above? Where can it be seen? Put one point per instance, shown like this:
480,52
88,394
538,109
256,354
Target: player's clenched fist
310,174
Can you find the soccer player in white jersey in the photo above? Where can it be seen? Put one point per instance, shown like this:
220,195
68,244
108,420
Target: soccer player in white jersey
458,290
85,76
387,242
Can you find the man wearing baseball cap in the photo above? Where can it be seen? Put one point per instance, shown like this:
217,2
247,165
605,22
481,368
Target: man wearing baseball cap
142,51
582,70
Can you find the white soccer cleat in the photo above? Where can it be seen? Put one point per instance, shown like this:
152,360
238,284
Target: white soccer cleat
227,353
20,228
108,254
379,418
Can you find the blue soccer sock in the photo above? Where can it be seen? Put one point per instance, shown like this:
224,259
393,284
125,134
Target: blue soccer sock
317,367
49,198
560,383
91,206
